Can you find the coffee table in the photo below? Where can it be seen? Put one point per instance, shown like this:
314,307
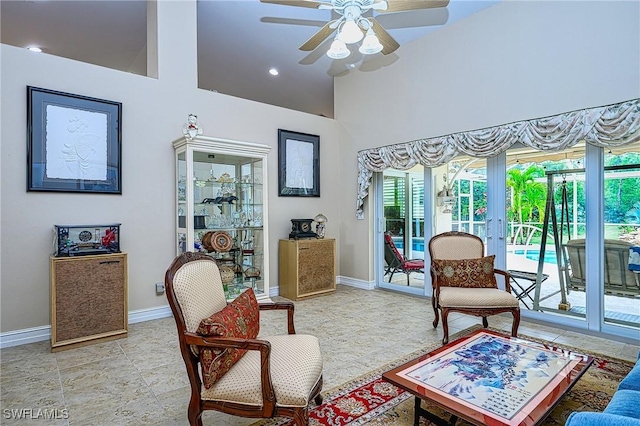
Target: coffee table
488,378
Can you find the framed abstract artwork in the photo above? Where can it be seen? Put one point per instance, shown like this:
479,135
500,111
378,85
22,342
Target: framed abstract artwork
73,143
298,164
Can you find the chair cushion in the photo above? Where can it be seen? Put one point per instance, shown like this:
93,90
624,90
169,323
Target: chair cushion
240,318
413,265
296,368
476,273
476,298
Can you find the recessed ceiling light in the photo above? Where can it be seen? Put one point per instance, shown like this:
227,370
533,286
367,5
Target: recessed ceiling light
273,71
34,49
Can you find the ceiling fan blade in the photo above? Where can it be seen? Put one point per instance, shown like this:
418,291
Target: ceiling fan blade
313,56
291,21
415,19
318,37
402,5
389,44
300,3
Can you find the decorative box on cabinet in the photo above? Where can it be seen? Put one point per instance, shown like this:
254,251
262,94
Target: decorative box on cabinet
307,267
221,188
88,300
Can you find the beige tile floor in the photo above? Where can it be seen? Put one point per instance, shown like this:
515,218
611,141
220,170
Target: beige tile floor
141,380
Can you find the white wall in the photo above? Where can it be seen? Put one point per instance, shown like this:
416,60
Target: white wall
514,61
154,111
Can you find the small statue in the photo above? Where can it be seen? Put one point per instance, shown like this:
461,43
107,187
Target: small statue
191,128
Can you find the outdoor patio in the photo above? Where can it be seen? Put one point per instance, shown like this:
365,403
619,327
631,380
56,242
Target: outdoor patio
618,310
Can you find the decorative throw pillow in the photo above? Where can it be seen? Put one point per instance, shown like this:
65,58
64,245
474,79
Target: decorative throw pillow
476,273
240,318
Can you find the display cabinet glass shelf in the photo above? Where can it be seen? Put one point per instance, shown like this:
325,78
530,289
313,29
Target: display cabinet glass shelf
221,188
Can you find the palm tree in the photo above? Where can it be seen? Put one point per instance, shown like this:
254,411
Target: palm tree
527,193
534,199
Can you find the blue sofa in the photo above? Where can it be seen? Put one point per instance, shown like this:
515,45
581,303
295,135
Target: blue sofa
622,410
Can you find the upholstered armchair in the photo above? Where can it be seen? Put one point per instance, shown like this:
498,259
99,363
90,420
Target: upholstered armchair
231,369
464,280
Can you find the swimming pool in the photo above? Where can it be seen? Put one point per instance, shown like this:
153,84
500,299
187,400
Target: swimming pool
417,243
549,255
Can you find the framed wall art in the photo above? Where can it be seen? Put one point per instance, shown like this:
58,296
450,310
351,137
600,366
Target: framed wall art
298,164
73,143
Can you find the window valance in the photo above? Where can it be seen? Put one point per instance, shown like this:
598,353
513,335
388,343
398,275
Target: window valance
607,126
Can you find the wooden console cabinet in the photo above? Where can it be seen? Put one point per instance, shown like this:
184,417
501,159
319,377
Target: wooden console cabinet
88,300
307,267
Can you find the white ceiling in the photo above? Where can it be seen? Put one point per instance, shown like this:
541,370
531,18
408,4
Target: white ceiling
238,42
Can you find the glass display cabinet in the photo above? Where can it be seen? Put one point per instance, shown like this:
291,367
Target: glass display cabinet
221,188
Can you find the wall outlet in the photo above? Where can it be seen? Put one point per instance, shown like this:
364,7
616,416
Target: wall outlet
159,288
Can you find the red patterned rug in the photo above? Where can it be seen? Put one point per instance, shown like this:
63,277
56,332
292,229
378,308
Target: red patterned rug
369,400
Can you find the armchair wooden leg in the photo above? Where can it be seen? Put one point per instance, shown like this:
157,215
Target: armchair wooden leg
485,322
516,322
301,416
194,411
435,311
318,399
445,326
195,416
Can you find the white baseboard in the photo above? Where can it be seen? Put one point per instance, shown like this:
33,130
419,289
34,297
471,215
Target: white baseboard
361,284
142,315
274,291
24,336
42,333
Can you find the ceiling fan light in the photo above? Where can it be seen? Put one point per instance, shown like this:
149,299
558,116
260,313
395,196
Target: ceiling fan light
350,32
338,50
370,45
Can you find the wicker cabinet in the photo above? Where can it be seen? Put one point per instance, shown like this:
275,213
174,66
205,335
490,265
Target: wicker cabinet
88,299
307,267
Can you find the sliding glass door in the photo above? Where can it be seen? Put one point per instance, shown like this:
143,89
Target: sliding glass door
401,236
418,203
543,215
564,208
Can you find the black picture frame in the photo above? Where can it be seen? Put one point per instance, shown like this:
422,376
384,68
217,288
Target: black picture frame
74,143
298,164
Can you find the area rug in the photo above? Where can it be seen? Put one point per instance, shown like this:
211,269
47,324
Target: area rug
369,400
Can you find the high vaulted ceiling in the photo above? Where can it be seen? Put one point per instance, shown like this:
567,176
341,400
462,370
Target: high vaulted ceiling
238,42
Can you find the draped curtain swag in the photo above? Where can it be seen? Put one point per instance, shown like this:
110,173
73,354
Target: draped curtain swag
607,126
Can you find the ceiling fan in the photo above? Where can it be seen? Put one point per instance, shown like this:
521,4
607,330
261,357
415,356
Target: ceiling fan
352,26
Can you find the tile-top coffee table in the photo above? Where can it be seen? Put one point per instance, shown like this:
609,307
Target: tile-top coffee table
488,378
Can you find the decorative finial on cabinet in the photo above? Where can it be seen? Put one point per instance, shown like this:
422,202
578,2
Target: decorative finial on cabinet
191,128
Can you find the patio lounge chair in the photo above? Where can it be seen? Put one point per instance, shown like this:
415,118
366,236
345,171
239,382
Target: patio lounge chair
396,262
618,279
